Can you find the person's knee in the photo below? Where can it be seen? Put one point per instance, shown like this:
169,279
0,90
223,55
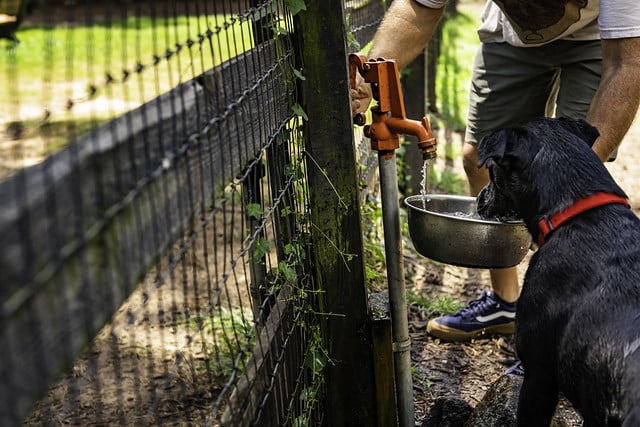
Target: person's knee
470,159
477,178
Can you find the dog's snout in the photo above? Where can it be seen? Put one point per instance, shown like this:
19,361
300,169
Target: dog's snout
491,204
484,201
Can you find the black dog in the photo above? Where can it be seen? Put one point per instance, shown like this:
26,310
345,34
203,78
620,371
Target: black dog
578,318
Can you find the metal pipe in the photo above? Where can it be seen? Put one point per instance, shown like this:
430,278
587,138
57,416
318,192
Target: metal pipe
397,293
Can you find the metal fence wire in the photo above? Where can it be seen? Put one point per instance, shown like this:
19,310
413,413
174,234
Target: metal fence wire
156,263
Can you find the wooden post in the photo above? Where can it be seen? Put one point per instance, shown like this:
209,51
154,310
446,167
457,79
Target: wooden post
385,374
335,215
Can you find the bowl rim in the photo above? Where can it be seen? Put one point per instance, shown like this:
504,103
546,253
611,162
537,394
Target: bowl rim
458,218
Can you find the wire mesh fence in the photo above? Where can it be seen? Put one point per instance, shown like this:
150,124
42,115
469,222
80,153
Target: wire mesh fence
156,255
363,18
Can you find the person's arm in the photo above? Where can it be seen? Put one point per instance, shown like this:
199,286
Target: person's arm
404,32
616,101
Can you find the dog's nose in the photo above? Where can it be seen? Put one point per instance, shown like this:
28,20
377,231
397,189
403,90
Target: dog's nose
482,202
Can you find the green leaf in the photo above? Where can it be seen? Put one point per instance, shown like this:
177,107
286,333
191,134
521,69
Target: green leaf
295,6
262,247
283,213
283,136
315,361
287,272
298,74
353,42
279,31
297,109
254,210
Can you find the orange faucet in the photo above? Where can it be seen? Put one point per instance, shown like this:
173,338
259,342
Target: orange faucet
388,116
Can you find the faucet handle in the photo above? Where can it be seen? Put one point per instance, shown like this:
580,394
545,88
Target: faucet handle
384,78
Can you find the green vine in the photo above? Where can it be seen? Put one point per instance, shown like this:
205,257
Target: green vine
341,201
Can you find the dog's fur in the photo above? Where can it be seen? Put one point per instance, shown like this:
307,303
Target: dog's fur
578,317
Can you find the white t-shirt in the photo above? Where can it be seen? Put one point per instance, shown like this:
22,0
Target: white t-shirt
537,22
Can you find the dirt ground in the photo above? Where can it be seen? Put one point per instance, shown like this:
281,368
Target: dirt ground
467,370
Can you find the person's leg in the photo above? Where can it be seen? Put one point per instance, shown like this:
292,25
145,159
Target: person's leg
509,86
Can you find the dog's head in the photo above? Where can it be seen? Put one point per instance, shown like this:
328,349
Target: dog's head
539,168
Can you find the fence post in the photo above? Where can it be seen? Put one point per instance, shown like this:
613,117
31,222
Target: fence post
335,215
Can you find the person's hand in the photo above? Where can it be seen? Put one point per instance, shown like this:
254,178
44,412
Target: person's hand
360,96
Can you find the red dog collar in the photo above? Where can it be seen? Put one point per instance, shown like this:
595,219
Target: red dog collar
549,223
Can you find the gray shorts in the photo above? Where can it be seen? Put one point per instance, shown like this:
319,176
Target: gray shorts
511,85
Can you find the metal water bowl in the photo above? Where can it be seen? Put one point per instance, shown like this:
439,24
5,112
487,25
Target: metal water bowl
448,229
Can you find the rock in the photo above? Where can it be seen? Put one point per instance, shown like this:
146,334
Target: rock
499,405
447,411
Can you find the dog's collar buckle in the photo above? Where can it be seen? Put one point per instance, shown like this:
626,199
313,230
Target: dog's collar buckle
545,226
549,223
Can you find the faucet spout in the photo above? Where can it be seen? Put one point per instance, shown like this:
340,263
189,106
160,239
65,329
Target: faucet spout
419,129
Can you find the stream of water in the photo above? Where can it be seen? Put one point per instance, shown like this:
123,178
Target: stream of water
423,183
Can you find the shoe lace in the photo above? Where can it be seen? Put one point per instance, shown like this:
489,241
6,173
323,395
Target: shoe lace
477,306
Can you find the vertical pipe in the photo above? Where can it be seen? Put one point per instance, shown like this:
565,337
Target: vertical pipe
395,278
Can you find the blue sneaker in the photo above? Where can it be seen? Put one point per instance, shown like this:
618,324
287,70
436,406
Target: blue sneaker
517,370
486,315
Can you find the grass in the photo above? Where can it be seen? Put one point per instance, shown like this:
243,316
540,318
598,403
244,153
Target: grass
434,306
373,245
227,345
88,53
58,75
459,44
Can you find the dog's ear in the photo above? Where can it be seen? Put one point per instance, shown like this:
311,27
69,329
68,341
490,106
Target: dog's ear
581,128
492,147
